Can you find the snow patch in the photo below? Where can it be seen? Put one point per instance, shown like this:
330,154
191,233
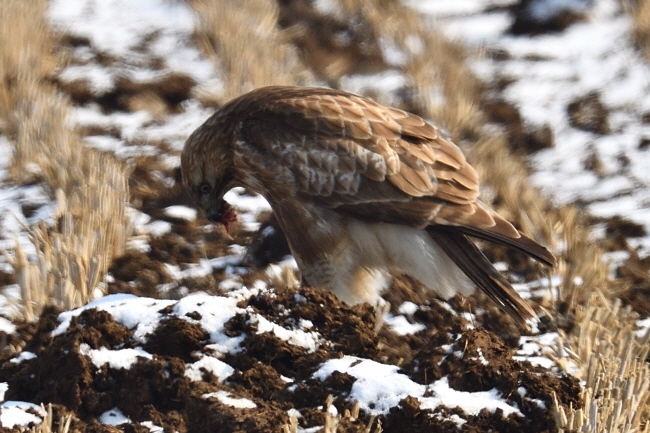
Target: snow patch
209,364
401,326
379,387
113,417
225,398
117,359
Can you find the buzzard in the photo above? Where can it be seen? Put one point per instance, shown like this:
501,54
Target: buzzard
359,189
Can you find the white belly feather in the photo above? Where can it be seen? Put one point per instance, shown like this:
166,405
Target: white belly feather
383,247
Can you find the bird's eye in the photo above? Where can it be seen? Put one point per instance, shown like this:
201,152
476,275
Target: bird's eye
205,188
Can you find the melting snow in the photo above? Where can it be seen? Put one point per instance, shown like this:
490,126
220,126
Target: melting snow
408,308
401,326
534,348
121,358
113,417
19,413
141,314
23,356
6,326
181,212
644,327
168,22
209,364
157,228
379,387
225,398
298,337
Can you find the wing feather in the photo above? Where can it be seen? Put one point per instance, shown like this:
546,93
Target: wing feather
330,108
372,114
359,130
421,154
416,182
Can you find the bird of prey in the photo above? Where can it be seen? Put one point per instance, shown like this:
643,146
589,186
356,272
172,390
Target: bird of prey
360,190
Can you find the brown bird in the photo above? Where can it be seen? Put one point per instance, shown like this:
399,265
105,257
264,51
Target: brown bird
359,189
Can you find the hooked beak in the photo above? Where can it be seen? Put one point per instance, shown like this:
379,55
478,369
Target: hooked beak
223,213
214,215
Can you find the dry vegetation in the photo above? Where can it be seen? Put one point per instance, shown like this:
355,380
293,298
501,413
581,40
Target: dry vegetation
90,188
640,12
251,51
248,48
612,362
332,422
47,426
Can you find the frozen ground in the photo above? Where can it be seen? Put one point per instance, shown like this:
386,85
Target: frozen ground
253,357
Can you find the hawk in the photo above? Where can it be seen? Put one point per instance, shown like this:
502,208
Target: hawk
359,189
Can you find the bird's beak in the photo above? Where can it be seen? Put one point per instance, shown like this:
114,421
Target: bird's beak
214,213
221,212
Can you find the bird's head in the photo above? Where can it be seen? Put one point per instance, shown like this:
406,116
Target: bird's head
207,170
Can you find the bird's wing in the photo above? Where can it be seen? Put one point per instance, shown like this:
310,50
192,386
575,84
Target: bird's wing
348,150
373,162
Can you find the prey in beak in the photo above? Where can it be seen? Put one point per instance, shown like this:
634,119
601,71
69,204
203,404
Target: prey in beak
224,215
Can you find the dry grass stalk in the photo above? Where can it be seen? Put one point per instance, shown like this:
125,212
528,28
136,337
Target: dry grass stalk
583,271
332,422
47,426
243,39
283,276
617,391
25,53
640,12
90,188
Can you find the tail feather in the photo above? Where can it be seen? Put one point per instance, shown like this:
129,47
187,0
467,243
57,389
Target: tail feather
479,269
480,221
524,244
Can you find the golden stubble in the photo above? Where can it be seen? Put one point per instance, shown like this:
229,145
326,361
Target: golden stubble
242,38
89,188
639,10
